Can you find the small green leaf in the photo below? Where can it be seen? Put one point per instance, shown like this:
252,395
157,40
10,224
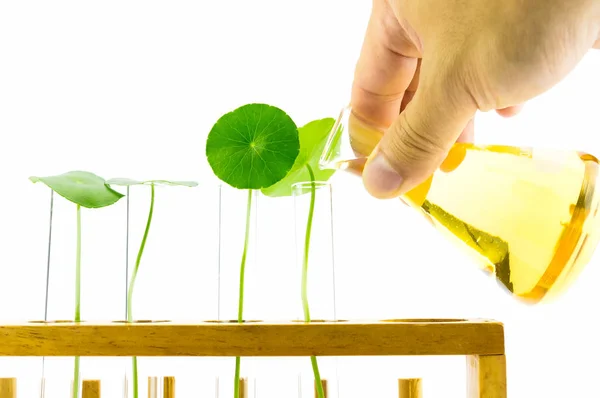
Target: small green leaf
313,137
128,182
81,187
253,146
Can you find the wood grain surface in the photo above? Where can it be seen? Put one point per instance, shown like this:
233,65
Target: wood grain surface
413,337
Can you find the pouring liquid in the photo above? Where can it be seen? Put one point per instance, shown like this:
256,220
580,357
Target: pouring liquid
527,216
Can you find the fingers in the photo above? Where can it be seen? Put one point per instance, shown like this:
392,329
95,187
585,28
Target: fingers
468,133
510,111
412,87
384,70
420,138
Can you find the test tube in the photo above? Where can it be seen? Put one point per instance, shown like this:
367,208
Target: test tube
238,238
313,210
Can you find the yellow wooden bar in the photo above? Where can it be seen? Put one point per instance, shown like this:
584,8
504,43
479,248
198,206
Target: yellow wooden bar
486,376
410,388
91,389
243,385
325,389
8,388
480,340
169,387
395,337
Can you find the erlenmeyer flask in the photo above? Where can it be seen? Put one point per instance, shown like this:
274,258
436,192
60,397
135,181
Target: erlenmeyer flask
528,216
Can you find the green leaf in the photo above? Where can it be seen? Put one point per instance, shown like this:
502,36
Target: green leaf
128,182
82,188
253,146
313,137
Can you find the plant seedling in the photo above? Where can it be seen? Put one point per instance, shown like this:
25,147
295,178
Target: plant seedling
152,183
313,137
253,147
88,190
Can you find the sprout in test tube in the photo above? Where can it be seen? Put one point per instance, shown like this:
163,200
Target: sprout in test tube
253,147
313,137
88,190
128,182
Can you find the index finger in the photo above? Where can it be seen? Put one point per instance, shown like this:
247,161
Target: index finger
385,68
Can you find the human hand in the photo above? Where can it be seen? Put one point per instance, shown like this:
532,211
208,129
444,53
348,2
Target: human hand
427,66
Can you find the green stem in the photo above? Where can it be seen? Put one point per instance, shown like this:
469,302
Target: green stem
77,298
311,211
132,283
236,385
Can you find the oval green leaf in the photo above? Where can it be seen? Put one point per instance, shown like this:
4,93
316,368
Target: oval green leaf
129,182
82,188
313,137
253,146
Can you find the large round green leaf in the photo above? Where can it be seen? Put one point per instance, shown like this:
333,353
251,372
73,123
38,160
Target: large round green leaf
253,146
313,137
82,188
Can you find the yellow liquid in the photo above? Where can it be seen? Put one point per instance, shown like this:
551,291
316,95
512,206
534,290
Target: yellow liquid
528,216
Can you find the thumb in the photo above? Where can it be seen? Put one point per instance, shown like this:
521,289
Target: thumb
420,138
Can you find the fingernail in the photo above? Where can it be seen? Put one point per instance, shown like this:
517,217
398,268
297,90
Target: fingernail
380,178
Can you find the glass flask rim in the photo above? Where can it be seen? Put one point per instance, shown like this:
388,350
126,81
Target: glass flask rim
325,161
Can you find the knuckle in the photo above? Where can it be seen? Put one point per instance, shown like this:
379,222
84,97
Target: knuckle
414,147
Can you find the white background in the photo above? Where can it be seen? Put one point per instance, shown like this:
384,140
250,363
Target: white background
131,89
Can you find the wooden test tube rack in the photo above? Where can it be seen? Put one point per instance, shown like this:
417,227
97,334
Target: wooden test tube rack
481,341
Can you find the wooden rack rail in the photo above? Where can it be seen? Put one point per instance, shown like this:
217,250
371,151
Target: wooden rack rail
480,340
